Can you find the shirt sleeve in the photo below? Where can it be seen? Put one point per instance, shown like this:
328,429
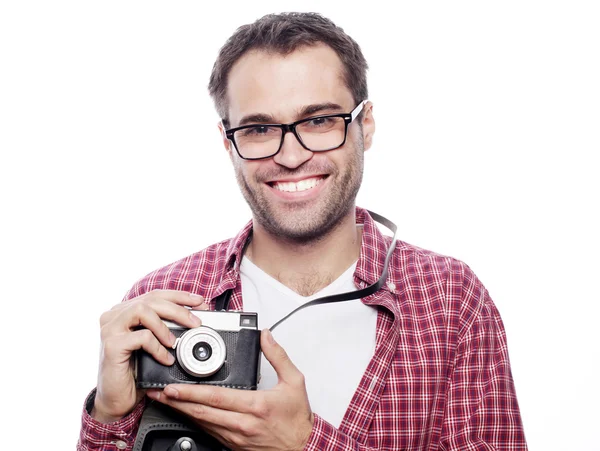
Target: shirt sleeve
119,435
325,436
482,412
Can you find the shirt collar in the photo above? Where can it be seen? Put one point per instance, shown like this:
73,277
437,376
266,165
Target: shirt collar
235,250
372,251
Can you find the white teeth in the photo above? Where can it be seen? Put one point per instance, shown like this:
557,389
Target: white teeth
302,185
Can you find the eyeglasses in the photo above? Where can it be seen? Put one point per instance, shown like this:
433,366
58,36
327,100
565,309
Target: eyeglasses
317,134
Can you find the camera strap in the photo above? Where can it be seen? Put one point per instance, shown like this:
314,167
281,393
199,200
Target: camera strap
165,429
222,301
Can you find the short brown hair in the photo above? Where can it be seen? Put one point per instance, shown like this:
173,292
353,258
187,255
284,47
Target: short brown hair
284,33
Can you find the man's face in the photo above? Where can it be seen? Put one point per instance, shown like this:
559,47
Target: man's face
297,194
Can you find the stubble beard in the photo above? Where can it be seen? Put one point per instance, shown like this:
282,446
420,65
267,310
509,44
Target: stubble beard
300,223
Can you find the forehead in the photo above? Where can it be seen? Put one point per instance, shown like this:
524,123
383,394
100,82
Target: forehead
280,85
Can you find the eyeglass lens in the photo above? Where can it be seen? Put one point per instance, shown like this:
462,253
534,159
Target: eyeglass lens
316,134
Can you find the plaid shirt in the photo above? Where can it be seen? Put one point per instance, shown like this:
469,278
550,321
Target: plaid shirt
440,376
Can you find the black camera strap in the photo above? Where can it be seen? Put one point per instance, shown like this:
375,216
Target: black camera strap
222,301
165,429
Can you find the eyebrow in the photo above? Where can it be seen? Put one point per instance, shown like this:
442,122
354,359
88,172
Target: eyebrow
309,110
306,111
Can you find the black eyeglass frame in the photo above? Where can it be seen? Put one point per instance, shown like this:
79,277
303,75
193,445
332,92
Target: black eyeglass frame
285,128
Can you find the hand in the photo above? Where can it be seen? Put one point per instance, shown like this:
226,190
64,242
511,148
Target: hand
116,393
274,419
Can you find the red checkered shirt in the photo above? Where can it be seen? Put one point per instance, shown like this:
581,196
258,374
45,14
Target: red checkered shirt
440,376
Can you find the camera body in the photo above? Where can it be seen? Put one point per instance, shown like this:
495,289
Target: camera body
223,351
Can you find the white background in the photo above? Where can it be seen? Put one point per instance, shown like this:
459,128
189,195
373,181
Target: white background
486,149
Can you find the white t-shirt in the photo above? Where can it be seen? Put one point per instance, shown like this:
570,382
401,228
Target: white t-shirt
331,344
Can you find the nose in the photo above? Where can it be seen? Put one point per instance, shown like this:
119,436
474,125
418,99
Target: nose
292,154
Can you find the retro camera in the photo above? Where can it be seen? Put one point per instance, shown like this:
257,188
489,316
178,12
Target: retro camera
224,351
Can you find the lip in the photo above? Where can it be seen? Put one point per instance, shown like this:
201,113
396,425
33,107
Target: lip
305,195
297,178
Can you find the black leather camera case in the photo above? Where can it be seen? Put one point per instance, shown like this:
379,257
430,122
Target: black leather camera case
240,370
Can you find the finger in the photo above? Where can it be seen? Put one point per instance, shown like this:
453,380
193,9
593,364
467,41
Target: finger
217,397
139,314
119,347
227,419
162,309
152,310
278,358
177,297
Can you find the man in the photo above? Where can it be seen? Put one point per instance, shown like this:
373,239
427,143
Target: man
421,364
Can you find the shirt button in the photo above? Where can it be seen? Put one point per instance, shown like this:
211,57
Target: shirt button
120,444
391,286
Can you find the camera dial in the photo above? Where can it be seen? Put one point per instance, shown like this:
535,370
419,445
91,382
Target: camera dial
201,351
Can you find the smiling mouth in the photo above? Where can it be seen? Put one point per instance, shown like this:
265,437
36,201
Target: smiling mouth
302,185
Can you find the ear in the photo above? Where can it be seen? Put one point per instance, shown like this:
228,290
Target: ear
368,125
226,143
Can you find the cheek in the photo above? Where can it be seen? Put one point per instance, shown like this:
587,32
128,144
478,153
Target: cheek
244,170
240,174
357,137
350,158
239,165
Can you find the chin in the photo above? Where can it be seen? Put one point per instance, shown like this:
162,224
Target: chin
300,225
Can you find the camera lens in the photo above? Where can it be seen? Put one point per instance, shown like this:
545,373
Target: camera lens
202,351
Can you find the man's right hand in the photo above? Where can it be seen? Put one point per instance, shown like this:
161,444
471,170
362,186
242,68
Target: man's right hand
116,393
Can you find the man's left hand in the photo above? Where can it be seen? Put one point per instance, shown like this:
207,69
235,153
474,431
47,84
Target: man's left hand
275,419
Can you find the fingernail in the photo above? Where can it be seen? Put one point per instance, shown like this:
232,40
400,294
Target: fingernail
170,359
172,338
171,392
270,338
196,297
153,395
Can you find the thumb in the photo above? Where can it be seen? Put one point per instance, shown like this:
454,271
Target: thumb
278,358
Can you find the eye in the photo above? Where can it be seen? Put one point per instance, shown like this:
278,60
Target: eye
259,130
319,122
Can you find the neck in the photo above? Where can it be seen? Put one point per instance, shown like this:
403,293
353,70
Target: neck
307,267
